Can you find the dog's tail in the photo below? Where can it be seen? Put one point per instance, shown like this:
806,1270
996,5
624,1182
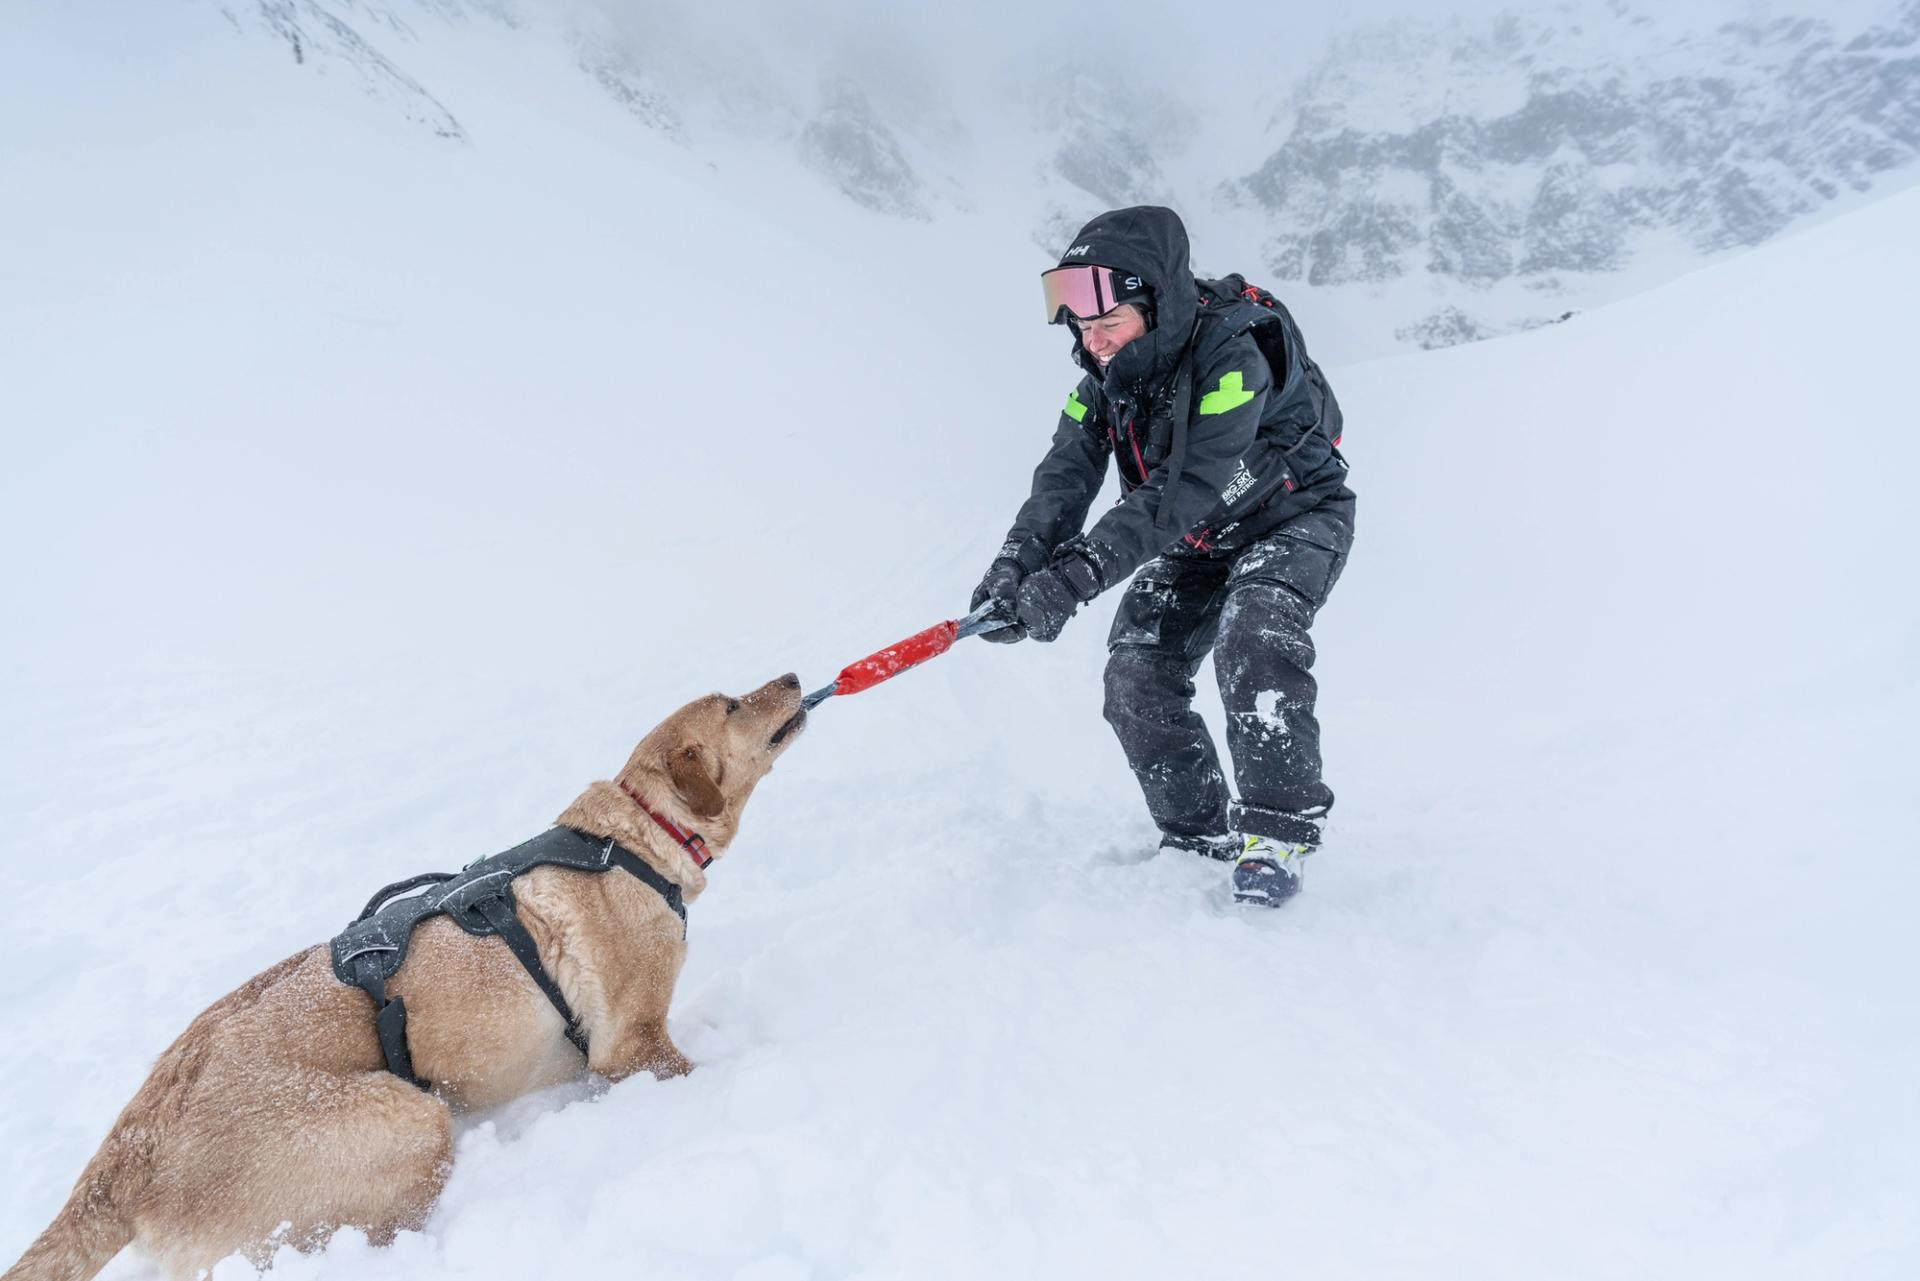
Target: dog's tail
96,1223
89,1230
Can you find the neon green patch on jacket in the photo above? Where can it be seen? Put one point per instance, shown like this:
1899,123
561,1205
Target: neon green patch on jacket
1230,394
1076,410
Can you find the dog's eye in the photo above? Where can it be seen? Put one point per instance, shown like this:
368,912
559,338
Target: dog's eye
733,705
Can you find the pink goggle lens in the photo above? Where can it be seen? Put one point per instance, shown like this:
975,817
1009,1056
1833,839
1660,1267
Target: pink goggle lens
1083,292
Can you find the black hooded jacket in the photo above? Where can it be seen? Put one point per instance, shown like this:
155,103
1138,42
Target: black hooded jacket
1213,455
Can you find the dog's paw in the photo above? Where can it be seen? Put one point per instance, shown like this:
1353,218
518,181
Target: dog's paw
670,1064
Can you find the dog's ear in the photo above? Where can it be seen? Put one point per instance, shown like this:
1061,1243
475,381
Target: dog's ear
697,789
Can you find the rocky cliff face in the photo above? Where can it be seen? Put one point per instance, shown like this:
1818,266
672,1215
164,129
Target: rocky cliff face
1526,150
850,144
327,40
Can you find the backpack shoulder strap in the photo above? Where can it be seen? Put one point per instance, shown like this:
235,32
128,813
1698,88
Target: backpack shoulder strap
1183,376
1252,309
1248,308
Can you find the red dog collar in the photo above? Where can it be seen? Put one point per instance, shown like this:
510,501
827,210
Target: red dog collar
691,842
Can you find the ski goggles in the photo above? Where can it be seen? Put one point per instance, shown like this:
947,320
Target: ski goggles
1084,291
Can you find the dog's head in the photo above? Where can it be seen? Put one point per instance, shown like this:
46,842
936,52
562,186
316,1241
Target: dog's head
700,764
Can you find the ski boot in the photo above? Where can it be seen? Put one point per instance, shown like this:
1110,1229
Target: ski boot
1218,845
1266,872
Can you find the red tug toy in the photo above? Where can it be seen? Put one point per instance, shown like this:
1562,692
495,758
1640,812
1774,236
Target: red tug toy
911,652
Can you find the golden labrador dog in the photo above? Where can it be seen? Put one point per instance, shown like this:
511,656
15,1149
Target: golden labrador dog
273,1117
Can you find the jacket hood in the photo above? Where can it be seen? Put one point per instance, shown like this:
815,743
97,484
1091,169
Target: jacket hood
1148,241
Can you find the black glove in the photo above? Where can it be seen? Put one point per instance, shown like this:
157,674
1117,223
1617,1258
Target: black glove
1047,599
1001,586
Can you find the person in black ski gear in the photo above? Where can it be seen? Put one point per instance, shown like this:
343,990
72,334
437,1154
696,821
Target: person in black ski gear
1235,511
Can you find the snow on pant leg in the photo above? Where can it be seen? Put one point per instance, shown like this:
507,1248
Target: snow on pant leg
1264,662
1163,628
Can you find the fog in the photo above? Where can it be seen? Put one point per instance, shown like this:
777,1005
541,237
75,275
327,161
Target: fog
1138,41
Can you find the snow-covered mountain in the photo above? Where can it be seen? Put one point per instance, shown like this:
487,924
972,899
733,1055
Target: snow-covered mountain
1426,182
1512,161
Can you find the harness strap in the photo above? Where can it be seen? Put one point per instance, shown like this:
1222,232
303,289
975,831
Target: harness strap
389,1020
390,1025
371,962
401,887
634,866
497,910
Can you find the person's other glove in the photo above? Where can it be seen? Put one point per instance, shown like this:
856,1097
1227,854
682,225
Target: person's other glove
1047,599
1001,586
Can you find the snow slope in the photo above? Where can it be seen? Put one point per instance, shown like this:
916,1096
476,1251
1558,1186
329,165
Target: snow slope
367,497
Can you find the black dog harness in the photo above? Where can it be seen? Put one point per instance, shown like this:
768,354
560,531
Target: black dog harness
479,898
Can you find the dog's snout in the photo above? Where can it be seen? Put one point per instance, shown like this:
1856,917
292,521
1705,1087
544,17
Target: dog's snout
790,681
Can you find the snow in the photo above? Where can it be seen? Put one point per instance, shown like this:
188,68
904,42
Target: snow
369,494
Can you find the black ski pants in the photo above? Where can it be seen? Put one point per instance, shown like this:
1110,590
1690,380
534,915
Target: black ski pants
1252,609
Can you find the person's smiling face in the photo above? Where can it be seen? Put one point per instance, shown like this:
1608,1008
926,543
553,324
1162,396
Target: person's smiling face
1106,334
